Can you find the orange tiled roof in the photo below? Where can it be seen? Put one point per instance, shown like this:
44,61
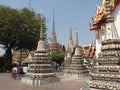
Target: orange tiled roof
100,14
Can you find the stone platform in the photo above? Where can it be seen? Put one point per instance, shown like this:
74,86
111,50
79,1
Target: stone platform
39,81
76,75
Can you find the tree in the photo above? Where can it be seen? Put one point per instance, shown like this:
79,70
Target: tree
8,32
58,57
19,29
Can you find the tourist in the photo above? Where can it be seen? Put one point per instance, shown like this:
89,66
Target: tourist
20,71
58,67
14,72
25,69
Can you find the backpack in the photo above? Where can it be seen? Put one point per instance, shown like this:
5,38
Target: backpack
14,70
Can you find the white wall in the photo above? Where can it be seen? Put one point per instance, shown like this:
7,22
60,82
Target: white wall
116,15
98,44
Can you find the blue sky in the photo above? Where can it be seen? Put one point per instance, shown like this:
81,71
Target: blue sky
77,13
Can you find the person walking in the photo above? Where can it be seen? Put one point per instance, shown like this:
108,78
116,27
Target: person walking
14,72
25,69
20,71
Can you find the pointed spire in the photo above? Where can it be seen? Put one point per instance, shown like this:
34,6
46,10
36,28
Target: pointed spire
77,42
42,27
70,42
29,5
71,33
41,42
54,39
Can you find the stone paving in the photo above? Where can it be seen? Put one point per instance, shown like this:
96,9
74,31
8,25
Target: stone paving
8,83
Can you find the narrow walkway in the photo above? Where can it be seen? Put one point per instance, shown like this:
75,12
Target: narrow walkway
8,83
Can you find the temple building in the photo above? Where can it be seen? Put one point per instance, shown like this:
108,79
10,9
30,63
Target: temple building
99,22
41,70
27,61
106,74
19,56
89,51
54,46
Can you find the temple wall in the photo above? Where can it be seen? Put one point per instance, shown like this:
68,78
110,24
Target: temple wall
116,15
98,44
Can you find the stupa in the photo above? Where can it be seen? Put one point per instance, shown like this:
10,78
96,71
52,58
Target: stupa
77,68
67,61
41,70
106,75
68,56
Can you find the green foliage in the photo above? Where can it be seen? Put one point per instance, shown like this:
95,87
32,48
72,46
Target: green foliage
88,63
58,57
19,29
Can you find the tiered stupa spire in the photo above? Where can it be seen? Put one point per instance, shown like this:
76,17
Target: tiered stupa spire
41,69
54,38
41,43
70,41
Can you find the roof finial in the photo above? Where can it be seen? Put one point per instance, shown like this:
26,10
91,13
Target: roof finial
97,5
41,26
77,42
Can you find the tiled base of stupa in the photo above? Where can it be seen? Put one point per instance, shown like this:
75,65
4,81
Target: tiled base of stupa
87,88
101,84
39,81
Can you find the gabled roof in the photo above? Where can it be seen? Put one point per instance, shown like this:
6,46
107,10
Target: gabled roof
100,14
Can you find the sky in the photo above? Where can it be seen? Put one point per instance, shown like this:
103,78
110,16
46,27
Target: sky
74,13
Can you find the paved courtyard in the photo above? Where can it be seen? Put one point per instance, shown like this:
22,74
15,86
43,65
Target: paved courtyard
8,83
